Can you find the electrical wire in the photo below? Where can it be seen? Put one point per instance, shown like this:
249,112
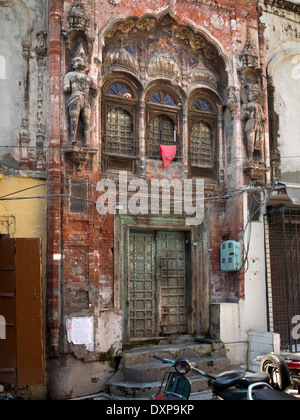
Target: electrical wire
224,196
64,147
254,189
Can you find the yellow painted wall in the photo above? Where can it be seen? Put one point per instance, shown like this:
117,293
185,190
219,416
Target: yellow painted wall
27,218
24,218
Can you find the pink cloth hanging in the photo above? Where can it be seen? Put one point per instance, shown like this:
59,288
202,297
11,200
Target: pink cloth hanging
167,153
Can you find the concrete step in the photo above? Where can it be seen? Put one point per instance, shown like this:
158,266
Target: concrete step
145,390
140,375
190,351
150,372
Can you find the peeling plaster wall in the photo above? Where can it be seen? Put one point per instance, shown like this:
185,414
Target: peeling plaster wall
23,93
283,68
11,84
287,107
86,280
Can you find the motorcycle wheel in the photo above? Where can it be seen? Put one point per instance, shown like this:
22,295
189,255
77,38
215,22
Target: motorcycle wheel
276,367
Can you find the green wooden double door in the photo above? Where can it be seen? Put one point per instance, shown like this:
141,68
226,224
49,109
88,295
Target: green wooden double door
157,284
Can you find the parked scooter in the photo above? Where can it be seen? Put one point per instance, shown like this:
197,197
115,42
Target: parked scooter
178,386
284,370
227,386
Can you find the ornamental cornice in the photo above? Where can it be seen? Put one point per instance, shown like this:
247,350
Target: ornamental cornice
284,4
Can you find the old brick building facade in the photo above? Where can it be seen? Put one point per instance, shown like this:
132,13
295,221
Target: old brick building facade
163,73
123,79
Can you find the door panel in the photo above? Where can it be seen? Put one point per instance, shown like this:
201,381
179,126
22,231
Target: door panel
22,352
157,284
171,259
29,312
142,285
8,356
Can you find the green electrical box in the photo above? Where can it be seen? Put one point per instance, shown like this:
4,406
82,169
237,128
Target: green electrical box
231,256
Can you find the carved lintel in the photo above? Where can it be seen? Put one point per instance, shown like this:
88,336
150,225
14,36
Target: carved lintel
80,156
256,172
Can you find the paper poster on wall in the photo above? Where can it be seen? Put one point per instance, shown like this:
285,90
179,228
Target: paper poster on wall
80,331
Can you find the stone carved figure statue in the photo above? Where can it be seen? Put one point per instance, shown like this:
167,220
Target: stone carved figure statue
253,118
82,90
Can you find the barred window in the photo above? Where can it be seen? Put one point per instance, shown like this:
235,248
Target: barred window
164,113
203,135
120,140
162,131
201,145
119,132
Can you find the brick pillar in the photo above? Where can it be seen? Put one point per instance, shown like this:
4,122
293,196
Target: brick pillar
54,176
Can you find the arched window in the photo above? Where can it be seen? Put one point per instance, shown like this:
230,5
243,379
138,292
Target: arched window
202,106
119,126
162,98
201,146
162,131
202,138
119,90
119,132
163,123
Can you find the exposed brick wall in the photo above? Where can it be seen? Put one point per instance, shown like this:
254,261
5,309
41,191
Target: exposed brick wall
154,169
86,241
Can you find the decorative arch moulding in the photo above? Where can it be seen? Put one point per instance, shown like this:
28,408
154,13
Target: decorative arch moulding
130,46
131,24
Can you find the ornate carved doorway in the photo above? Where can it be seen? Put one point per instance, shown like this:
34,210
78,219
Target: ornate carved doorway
157,284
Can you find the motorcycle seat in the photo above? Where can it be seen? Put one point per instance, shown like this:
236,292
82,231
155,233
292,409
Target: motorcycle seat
253,378
233,378
273,395
291,357
226,380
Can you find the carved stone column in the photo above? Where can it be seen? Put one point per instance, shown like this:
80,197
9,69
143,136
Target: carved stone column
41,51
24,134
185,142
221,150
142,140
262,48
